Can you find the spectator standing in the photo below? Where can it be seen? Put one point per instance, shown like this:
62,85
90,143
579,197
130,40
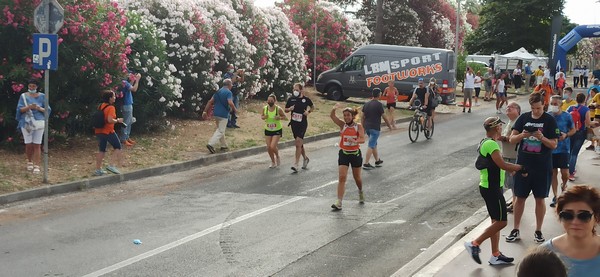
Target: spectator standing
300,107
547,73
222,101
488,77
578,210
500,90
576,73
478,81
32,104
272,115
107,134
596,85
560,155
528,73
372,113
545,90
568,99
469,88
491,175
539,75
509,150
536,133
391,94
561,82
517,78
236,77
433,93
583,76
352,135
580,135
127,90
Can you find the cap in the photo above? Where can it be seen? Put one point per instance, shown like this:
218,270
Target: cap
492,122
376,92
420,79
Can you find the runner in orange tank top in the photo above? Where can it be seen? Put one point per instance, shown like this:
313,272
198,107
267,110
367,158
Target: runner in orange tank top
352,134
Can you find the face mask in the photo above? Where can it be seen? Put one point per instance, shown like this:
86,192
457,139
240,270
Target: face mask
567,96
432,83
553,109
32,91
296,93
271,104
230,70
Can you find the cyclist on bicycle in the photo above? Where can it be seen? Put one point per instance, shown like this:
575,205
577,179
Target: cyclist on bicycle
422,93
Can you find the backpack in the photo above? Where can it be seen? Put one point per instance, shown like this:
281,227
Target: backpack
482,162
98,120
576,117
434,98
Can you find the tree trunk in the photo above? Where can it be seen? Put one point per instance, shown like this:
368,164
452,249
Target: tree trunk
379,22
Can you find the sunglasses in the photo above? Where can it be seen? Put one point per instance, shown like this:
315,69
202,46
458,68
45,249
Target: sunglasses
584,216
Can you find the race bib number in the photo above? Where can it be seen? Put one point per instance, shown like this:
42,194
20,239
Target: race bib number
271,126
346,141
297,117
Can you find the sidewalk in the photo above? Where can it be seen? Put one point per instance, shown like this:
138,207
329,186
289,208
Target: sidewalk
455,261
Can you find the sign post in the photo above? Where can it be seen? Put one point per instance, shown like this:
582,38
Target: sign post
48,18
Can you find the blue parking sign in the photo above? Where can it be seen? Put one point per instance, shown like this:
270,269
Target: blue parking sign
45,51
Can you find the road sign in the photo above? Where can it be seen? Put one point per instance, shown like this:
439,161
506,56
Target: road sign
45,51
48,13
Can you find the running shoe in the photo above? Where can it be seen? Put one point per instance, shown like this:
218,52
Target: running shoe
337,205
473,251
591,147
113,169
211,149
368,166
305,163
572,177
501,259
295,169
29,166
514,236
378,163
99,172
36,169
538,237
361,197
553,204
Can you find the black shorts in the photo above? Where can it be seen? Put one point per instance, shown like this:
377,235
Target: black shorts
391,105
298,129
353,159
274,133
495,203
477,91
560,160
538,182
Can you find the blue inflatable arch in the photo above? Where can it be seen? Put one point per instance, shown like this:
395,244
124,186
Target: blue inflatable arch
570,40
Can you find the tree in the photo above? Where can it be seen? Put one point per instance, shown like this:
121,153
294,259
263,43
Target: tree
402,23
506,25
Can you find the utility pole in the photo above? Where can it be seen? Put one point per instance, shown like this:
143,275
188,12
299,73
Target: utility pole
379,22
456,40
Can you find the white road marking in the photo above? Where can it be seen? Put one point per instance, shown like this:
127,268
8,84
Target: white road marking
189,238
400,221
400,197
320,187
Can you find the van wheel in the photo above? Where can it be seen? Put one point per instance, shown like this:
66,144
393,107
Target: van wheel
335,93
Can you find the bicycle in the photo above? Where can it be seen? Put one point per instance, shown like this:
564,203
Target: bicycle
419,122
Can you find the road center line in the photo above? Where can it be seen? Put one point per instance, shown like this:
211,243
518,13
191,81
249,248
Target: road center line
400,197
320,187
189,238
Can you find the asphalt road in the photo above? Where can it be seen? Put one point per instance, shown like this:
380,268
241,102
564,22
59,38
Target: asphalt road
241,218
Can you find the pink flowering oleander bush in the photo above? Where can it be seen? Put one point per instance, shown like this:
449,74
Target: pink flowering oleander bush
92,52
333,44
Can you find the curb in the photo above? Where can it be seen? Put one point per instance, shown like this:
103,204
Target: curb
153,171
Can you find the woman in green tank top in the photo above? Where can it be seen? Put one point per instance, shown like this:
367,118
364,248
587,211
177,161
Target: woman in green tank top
272,115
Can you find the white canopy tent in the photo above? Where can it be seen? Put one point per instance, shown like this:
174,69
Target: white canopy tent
520,54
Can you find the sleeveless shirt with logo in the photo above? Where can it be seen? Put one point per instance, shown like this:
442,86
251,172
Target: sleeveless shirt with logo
349,132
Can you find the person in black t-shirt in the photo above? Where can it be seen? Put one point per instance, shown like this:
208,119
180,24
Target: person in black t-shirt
422,93
537,134
300,107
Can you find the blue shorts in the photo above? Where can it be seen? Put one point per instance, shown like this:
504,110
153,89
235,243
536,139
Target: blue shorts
501,94
111,138
373,137
538,182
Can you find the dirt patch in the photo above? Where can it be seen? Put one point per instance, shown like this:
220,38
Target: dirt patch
185,140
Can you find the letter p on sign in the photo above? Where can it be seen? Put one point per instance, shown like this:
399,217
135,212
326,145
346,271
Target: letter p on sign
45,51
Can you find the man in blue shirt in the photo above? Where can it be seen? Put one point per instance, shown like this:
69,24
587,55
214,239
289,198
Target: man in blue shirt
561,154
236,78
223,103
126,93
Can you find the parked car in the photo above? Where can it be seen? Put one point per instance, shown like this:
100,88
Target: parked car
375,65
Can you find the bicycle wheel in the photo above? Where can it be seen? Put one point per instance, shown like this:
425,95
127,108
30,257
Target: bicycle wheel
413,130
429,132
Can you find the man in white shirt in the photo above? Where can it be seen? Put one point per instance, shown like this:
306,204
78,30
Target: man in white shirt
469,87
